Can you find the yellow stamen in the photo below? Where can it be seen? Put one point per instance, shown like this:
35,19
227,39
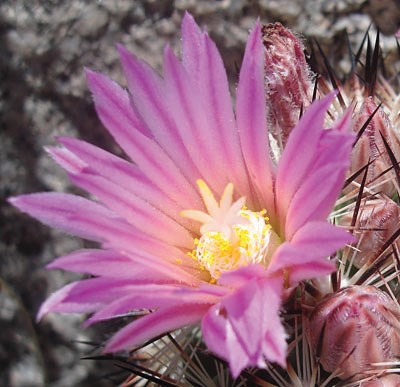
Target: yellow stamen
231,236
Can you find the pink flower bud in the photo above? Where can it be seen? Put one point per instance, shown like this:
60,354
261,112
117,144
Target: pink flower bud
390,380
354,328
371,147
287,78
377,221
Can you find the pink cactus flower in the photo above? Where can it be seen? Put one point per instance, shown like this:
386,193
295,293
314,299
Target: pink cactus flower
203,226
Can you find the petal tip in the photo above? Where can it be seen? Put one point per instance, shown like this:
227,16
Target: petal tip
112,346
20,202
88,323
254,42
13,200
188,19
52,265
189,27
43,310
124,53
91,75
88,71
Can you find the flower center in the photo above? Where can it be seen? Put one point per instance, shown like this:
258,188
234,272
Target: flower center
231,236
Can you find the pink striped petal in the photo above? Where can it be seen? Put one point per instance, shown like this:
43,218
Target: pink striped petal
176,266
205,65
73,214
309,270
135,210
113,100
252,124
289,256
245,329
336,143
152,297
196,132
148,155
215,331
110,263
90,220
321,238
240,277
115,169
203,62
66,159
299,154
148,96
107,263
52,302
192,46
311,244
84,296
314,201
154,324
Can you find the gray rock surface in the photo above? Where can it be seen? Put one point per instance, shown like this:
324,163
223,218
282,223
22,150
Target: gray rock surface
45,44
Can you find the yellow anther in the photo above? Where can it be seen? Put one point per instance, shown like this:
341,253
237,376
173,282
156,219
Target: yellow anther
231,236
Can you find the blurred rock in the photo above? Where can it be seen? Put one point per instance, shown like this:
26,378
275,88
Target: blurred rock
385,14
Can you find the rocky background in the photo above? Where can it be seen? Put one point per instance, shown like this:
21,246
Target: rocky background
45,44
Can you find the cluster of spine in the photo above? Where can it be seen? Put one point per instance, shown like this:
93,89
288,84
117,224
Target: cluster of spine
347,326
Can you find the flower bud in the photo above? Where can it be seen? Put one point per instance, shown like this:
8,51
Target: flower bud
389,380
377,221
354,328
287,79
371,147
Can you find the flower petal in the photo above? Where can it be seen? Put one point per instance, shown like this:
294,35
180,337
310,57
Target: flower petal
238,278
107,263
149,296
73,214
134,210
203,62
252,124
245,328
154,324
174,266
85,296
80,155
90,220
299,155
198,134
148,96
148,155
308,249
310,269
314,201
